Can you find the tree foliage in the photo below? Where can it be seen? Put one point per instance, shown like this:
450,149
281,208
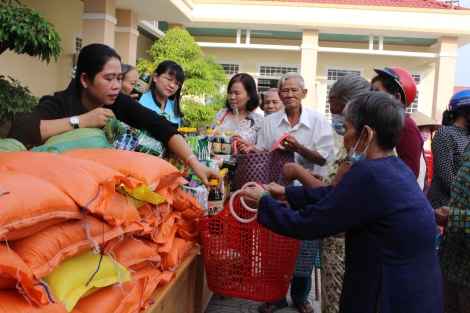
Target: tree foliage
15,100
24,31
205,78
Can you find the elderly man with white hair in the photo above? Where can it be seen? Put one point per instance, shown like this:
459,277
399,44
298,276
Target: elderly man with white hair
311,139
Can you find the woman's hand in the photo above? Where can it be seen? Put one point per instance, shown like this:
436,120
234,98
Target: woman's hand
291,144
251,194
441,215
96,118
205,173
243,146
277,191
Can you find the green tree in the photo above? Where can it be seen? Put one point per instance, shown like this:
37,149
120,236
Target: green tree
24,31
205,78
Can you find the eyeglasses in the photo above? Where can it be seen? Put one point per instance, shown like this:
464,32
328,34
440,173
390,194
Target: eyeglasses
169,80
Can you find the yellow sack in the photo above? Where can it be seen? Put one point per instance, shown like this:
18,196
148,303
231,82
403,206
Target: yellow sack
75,276
140,195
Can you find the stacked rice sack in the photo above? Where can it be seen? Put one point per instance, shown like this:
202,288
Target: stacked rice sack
90,230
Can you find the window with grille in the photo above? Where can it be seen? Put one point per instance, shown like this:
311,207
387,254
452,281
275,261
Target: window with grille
332,77
78,43
414,105
276,70
231,69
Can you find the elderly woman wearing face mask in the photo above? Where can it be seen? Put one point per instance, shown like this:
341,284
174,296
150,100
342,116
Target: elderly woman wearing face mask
332,248
392,263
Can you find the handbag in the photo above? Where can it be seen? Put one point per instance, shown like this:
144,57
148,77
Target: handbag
263,167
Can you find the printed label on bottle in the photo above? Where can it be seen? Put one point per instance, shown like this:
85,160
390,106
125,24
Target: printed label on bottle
216,147
140,86
214,207
226,149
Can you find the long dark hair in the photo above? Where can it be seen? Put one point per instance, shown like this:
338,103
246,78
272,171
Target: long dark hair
176,71
389,84
449,117
250,87
91,61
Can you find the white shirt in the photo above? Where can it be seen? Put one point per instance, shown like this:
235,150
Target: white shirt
313,131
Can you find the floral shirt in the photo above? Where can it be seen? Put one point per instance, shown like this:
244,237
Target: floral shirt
248,128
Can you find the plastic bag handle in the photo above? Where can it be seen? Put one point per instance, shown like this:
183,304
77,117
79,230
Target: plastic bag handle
241,220
274,147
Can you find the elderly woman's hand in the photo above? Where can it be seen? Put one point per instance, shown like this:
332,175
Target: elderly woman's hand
251,194
441,215
277,191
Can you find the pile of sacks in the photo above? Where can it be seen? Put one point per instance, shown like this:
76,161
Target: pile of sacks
90,230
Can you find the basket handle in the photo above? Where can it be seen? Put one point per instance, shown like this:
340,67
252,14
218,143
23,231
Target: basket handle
274,147
241,220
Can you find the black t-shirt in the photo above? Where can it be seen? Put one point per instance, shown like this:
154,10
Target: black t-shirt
67,103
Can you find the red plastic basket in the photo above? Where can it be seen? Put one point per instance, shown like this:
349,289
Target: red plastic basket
246,261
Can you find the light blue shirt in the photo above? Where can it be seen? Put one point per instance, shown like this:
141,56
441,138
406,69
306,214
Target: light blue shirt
147,101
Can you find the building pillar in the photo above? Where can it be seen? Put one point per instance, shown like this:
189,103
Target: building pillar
125,40
308,65
176,25
98,22
444,75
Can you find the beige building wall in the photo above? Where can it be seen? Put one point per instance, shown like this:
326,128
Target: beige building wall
143,45
40,77
251,59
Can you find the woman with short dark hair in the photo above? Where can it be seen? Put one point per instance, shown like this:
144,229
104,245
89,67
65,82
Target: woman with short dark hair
242,100
391,263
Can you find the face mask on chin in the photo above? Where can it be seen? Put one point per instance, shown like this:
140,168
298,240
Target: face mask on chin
337,122
361,157
425,136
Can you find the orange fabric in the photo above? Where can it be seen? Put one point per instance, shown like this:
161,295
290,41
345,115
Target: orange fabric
121,211
179,251
167,246
7,283
154,214
135,251
152,171
188,230
31,205
164,231
91,185
188,206
45,250
13,301
12,267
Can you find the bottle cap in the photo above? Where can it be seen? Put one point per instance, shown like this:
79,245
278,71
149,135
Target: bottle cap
228,132
184,129
213,182
218,122
193,129
218,132
149,69
209,131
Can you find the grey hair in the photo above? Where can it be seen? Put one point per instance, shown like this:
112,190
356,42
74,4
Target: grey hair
379,111
271,90
289,75
347,87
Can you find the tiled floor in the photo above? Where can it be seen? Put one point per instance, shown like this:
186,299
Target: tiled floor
220,304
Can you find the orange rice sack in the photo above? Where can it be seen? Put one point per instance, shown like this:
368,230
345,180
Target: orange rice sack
164,231
135,251
31,205
188,206
14,270
151,170
154,215
44,251
121,211
13,301
179,251
188,230
91,185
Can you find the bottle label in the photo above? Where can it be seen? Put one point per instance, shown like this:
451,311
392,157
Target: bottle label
216,147
140,86
226,149
214,207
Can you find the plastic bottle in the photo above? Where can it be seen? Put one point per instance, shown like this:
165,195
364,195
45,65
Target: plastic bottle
215,201
209,138
142,84
184,131
226,148
217,142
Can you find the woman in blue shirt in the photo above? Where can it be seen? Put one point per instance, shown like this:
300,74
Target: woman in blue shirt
164,94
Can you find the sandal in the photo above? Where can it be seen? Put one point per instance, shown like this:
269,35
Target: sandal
270,307
304,307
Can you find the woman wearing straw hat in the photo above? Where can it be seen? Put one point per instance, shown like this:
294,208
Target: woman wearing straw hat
426,127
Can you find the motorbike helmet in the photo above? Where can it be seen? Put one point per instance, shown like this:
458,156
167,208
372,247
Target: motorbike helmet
405,81
459,100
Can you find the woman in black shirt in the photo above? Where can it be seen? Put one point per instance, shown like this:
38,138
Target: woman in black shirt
93,97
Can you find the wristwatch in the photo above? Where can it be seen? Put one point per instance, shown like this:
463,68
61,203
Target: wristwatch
75,122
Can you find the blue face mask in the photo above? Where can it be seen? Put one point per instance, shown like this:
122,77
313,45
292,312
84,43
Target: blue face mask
361,157
338,124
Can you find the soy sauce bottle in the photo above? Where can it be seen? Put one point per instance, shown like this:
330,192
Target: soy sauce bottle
215,201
